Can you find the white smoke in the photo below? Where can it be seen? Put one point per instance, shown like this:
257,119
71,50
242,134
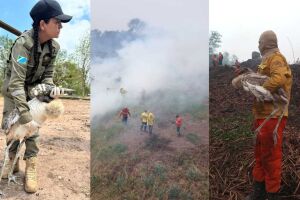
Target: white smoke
174,61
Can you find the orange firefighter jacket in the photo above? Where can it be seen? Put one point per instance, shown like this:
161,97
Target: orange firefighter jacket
178,121
276,67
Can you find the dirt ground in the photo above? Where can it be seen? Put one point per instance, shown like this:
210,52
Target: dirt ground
64,157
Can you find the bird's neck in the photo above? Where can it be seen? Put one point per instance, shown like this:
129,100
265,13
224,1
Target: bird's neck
37,110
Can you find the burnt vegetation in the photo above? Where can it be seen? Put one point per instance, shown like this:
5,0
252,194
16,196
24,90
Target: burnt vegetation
231,139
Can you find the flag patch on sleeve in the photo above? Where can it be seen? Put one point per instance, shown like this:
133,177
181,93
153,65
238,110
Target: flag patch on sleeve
22,60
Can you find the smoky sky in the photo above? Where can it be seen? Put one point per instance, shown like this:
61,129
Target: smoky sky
114,14
242,22
168,65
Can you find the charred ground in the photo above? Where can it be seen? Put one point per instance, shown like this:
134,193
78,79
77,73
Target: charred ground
231,139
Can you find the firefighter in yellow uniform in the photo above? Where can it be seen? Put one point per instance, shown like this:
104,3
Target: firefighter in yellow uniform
150,121
30,64
144,117
268,156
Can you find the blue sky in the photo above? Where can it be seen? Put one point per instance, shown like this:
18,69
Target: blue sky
16,14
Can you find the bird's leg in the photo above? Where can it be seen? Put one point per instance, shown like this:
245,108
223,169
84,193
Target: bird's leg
266,120
275,132
6,158
11,177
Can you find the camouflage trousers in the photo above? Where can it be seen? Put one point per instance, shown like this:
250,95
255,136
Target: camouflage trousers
31,143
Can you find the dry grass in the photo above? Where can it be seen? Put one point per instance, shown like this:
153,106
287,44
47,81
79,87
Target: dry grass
231,142
146,169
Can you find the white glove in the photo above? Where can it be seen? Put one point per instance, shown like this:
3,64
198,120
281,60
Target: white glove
56,92
38,89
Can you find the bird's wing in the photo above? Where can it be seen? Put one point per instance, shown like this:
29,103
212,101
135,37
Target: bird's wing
255,78
260,92
12,118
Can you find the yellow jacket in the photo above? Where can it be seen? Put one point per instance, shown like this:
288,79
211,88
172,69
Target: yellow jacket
150,119
276,67
144,117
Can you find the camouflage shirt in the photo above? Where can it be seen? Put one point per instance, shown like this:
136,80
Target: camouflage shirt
22,74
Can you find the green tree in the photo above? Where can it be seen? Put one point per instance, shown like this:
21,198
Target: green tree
136,25
5,47
60,69
72,77
82,59
214,41
67,74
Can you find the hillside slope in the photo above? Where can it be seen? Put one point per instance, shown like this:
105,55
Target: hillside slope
130,164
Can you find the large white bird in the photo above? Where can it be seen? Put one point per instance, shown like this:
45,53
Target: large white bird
42,107
252,82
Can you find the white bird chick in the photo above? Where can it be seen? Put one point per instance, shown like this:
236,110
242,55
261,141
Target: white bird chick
252,82
40,112
41,108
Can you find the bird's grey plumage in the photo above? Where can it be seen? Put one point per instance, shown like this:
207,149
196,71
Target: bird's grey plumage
252,82
12,118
